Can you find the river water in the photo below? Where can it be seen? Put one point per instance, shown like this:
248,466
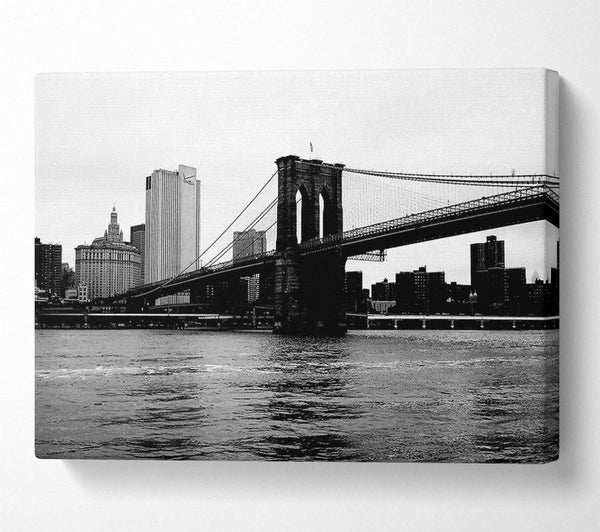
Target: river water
421,395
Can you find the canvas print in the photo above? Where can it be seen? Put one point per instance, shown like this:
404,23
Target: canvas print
325,265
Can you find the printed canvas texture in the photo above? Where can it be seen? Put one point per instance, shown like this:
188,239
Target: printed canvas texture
311,265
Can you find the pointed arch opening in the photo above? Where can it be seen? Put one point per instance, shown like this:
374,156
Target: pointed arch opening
327,220
321,215
302,215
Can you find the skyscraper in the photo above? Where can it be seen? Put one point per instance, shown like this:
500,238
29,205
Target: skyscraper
486,255
172,234
137,234
515,291
355,297
494,252
246,244
108,266
48,266
487,272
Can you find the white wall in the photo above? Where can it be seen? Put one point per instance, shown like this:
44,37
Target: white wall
187,35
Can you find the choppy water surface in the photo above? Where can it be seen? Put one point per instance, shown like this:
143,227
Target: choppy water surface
372,395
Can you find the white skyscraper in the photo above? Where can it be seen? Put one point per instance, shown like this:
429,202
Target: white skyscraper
172,239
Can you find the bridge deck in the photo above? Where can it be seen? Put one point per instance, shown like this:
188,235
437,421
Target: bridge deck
509,208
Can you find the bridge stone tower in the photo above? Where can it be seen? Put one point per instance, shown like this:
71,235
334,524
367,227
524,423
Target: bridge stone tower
309,289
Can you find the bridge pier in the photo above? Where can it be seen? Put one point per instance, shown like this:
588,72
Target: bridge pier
288,310
310,294
309,289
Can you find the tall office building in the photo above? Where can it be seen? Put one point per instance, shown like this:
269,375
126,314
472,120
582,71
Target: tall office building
405,291
487,273
137,234
420,291
108,266
172,234
485,256
356,301
248,243
515,291
48,267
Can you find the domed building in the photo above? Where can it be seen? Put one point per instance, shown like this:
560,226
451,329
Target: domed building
109,265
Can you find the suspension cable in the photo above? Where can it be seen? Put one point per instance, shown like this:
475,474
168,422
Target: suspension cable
168,281
491,180
251,225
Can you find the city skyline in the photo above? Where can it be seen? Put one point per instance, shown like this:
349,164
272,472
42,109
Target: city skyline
530,279
97,139
540,235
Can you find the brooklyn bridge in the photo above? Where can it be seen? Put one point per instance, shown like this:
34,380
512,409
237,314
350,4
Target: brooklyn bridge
302,276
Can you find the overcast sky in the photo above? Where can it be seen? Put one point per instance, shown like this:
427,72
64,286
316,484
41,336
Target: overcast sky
99,135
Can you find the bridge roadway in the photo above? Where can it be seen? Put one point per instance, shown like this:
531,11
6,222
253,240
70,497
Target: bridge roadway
524,205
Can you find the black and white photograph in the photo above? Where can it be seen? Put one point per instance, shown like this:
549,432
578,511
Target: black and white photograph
300,265
341,265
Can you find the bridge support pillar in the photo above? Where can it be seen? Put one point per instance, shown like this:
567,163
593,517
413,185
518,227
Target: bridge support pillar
309,288
310,294
288,313
134,305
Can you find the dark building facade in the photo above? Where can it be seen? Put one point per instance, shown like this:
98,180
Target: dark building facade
224,295
420,291
515,291
486,255
539,298
405,291
490,288
458,298
137,235
383,291
356,300
48,267
248,243
487,274
554,282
